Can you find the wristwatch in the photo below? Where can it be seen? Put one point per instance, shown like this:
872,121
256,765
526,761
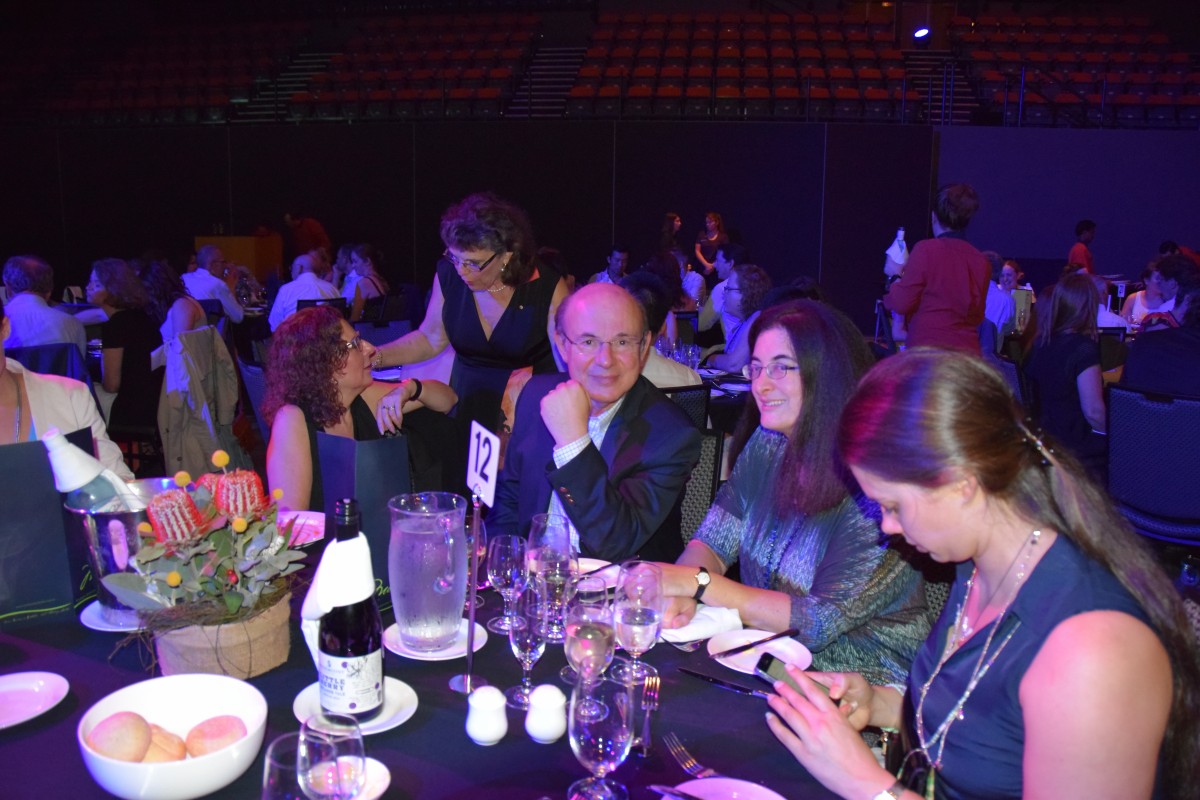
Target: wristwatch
702,581
893,792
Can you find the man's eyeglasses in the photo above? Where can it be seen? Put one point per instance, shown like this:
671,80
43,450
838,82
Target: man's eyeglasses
775,370
353,344
622,345
463,263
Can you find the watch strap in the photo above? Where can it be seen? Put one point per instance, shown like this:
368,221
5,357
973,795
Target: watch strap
893,792
701,583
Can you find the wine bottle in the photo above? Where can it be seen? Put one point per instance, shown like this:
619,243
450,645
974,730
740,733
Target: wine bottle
350,636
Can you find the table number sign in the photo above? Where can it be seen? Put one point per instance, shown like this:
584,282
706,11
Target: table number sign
483,462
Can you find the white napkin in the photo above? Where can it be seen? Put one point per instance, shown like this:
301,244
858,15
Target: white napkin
708,622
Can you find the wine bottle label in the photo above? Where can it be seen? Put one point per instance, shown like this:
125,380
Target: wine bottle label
351,685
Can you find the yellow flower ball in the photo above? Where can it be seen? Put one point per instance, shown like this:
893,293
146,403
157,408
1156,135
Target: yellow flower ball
220,459
174,578
239,524
144,527
182,478
277,494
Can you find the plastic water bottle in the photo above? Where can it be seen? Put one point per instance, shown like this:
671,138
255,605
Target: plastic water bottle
88,484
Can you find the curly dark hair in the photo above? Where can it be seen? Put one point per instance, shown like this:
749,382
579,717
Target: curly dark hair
754,283
306,352
124,288
486,222
163,286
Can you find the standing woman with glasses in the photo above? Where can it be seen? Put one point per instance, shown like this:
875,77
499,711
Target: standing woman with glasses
319,379
1063,664
808,543
492,301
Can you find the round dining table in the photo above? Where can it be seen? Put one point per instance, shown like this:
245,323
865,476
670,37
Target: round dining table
429,755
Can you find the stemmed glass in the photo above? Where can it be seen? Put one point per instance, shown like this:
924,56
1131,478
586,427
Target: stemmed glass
600,741
527,636
637,616
589,622
481,553
552,558
506,570
281,780
331,760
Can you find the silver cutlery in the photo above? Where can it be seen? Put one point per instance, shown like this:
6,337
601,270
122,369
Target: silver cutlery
687,647
671,791
649,705
724,684
733,651
685,760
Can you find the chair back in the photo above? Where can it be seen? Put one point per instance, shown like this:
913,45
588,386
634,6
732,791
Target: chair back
701,486
693,401
255,381
1012,376
213,310
1112,348
1153,440
54,359
883,329
378,333
337,302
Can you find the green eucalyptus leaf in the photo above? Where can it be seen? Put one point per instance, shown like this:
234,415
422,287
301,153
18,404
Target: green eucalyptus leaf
131,590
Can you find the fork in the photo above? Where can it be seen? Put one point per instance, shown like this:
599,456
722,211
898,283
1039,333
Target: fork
687,647
649,704
685,760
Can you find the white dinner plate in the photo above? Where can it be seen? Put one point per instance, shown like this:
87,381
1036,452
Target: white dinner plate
389,374
309,526
25,695
456,649
727,789
399,704
93,617
787,650
609,575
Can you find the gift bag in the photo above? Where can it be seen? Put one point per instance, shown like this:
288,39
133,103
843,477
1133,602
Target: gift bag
44,572
372,473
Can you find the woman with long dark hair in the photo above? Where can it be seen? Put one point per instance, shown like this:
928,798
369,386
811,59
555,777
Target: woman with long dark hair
807,543
171,305
128,339
1063,664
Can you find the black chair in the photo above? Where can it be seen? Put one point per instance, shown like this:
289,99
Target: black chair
1112,348
381,333
693,401
336,302
54,359
701,487
255,382
1012,375
1153,441
883,330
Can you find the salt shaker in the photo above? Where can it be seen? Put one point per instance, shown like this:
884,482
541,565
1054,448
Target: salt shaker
487,718
546,720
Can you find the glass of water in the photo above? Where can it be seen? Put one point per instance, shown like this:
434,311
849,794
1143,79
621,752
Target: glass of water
637,616
600,741
527,636
552,558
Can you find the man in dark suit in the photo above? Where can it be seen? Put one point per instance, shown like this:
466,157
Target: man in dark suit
601,444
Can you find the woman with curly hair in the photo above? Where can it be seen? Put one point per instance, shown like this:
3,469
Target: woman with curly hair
319,379
745,292
171,305
492,300
128,339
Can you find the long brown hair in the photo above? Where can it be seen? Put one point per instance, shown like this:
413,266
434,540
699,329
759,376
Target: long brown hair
926,415
1073,304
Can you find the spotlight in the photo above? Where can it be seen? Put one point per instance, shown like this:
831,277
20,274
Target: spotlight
920,33
921,38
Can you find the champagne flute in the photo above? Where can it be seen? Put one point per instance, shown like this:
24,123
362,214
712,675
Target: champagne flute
600,742
589,623
527,637
637,616
552,558
331,760
506,570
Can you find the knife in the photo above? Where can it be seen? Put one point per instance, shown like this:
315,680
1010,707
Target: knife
733,651
671,791
724,684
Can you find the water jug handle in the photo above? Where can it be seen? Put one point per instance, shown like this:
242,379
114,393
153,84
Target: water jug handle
445,581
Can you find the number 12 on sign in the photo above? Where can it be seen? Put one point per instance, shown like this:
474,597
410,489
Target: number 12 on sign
483,463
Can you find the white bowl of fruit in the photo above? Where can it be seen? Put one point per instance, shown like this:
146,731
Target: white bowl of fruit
173,738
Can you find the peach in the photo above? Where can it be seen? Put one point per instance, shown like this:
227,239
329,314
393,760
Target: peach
124,736
214,734
164,746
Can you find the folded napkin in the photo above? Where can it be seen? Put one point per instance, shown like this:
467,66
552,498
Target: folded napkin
708,622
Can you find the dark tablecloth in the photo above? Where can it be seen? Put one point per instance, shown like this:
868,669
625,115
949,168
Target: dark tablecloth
430,755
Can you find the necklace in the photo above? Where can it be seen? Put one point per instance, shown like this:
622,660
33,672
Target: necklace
957,635
499,289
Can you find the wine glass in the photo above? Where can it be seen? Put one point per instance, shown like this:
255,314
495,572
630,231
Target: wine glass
553,559
600,742
506,570
589,623
480,576
281,780
637,616
527,636
331,760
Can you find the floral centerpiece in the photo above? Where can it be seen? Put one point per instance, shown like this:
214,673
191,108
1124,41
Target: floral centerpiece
213,555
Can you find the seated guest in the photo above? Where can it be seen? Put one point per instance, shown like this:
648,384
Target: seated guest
344,276
745,292
213,279
1149,299
728,256
29,281
943,290
171,305
31,404
1104,317
1060,623
600,444
999,308
306,284
1168,359
127,341
808,545
1172,270
365,261
618,262
319,379
1064,371
650,292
